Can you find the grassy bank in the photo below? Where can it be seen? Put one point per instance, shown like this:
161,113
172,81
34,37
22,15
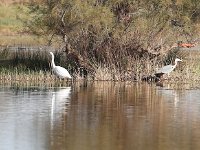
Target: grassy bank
35,66
9,21
30,66
12,30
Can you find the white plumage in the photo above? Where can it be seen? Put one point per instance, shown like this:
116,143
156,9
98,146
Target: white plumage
167,69
58,70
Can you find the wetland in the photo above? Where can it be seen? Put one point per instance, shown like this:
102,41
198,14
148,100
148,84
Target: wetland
99,115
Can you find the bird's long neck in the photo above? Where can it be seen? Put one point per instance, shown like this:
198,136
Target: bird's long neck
52,62
175,63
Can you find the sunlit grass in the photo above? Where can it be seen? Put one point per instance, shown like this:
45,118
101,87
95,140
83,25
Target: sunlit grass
15,75
9,21
21,40
12,29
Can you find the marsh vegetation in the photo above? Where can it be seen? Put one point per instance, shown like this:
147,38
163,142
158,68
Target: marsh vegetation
100,40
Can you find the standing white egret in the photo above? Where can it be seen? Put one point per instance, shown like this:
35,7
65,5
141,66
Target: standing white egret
167,69
58,70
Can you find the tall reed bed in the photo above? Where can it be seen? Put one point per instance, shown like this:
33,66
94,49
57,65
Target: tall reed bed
134,70
30,60
15,74
26,66
31,78
35,66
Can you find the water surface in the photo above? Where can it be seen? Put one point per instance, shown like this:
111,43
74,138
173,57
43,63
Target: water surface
100,116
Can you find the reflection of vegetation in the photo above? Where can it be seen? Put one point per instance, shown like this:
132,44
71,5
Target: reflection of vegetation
123,113
32,87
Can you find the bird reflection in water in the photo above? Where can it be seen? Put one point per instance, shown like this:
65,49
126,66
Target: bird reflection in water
60,103
176,98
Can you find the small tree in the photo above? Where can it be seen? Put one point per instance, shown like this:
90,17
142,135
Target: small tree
66,19
102,31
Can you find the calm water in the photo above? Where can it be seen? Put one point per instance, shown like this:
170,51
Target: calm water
99,116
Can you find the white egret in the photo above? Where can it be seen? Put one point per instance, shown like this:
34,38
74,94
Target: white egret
58,70
167,69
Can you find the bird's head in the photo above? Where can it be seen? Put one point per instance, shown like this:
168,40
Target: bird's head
51,53
177,59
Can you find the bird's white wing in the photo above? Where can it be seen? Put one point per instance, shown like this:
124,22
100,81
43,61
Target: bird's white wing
61,72
166,69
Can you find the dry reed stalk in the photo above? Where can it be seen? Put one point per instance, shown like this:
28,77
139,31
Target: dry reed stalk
27,63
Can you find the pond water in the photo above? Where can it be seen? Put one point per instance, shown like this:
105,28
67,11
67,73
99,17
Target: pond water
99,116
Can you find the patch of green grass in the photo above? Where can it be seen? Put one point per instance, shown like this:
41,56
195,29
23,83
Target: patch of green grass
9,19
12,27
